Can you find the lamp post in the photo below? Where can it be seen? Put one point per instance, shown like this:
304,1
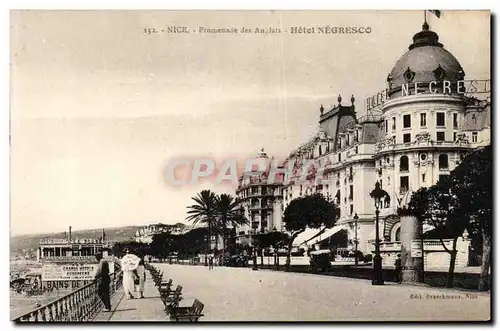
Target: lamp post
378,195
356,239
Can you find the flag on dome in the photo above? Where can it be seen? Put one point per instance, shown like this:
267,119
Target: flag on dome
436,12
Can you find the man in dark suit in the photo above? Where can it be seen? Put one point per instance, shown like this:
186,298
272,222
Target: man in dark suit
103,280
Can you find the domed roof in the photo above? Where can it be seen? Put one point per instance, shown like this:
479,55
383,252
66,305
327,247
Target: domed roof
425,61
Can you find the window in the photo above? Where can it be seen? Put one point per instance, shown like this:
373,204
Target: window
440,119
406,121
394,124
386,126
455,121
423,119
404,163
340,158
387,160
404,183
443,161
351,192
474,137
423,156
351,209
319,149
356,149
388,181
407,138
423,178
454,136
348,140
440,136
350,171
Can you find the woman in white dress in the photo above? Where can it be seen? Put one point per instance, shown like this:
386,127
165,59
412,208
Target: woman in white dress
141,273
128,283
128,280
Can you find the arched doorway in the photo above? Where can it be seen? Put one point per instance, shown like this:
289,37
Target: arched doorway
389,224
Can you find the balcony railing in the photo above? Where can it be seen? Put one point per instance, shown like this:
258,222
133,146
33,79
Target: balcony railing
80,305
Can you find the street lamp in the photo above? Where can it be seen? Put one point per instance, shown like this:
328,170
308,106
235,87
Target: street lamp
356,239
378,195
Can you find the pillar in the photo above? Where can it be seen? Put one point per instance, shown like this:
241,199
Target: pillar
412,259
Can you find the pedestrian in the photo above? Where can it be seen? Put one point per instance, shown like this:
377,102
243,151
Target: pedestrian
141,273
129,277
398,269
210,263
102,278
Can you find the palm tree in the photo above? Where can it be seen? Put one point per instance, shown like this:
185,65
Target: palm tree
204,211
229,216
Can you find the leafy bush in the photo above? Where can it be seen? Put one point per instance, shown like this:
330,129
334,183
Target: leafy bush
320,262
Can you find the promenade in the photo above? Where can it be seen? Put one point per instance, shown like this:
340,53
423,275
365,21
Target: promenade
148,309
240,294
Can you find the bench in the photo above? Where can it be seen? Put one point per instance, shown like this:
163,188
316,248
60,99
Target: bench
164,285
171,298
191,314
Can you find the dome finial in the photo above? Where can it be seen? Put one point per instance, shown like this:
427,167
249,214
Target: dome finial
425,26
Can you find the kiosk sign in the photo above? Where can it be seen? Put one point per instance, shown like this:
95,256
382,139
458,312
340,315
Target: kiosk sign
68,271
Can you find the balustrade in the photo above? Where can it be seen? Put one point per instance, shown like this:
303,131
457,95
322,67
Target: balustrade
78,306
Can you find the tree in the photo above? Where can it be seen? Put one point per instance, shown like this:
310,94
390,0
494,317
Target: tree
119,249
229,217
439,206
163,244
473,185
312,211
273,239
204,211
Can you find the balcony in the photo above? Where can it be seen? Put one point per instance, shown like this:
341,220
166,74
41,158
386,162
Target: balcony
419,142
403,190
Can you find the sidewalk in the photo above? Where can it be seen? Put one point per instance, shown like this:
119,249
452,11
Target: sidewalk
148,309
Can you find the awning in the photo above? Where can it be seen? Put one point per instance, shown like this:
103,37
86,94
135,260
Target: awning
305,236
327,233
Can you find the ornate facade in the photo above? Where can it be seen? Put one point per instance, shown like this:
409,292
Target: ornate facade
425,128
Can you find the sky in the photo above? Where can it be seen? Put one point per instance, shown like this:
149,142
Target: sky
98,108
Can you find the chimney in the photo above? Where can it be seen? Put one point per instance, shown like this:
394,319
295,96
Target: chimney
70,233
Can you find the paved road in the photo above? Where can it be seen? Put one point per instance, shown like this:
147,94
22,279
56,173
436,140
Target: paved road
240,294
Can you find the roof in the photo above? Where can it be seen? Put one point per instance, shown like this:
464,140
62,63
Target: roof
425,61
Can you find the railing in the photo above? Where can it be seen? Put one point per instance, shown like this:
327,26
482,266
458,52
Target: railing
78,306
